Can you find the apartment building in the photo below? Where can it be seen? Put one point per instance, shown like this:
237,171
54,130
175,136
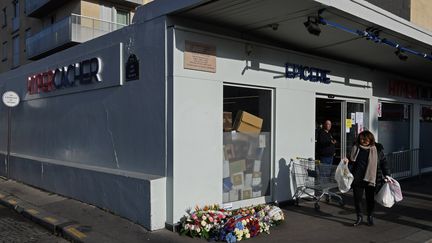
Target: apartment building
416,11
33,29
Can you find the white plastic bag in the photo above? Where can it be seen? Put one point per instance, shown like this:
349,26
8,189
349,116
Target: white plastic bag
396,190
385,196
343,177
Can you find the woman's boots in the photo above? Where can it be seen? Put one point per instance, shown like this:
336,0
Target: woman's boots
370,220
358,221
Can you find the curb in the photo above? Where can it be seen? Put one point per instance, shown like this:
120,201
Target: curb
66,228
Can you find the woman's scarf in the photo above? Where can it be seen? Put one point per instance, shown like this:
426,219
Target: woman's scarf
371,169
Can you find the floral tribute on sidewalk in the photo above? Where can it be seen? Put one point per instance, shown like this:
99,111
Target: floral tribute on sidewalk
217,224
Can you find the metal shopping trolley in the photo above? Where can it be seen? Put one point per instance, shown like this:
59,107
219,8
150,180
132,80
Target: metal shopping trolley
314,179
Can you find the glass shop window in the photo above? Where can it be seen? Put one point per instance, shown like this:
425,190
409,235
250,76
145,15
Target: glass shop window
247,120
394,127
425,155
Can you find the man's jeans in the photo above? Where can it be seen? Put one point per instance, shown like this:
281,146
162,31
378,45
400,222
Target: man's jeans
325,169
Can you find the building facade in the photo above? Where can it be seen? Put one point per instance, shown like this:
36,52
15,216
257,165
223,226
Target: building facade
132,121
33,29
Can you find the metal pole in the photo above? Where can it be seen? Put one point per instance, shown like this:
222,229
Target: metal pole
8,142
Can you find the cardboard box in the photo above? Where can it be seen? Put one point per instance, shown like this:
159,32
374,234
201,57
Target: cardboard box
247,123
227,121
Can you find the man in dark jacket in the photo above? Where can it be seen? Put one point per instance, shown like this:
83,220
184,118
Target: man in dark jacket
326,144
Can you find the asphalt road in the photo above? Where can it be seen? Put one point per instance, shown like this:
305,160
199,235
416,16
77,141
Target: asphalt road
14,228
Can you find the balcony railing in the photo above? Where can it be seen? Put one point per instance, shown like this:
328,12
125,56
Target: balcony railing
39,8
69,31
403,163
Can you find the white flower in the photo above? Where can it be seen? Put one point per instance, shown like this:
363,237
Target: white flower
203,223
247,236
208,227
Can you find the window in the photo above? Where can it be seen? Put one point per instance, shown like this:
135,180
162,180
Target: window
4,51
4,18
16,19
394,127
246,142
425,158
16,8
122,17
16,51
27,36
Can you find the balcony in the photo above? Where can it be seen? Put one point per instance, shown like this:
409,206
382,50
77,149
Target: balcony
70,31
38,8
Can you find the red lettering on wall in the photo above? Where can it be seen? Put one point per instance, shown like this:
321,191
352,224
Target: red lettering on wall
408,90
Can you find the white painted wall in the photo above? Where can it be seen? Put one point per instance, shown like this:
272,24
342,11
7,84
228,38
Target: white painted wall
197,167
294,135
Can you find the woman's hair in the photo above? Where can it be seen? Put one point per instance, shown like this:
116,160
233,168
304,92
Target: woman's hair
368,135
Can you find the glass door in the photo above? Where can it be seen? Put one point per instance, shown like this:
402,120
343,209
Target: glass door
347,118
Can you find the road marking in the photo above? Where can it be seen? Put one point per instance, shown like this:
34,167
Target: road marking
76,233
51,220
32,211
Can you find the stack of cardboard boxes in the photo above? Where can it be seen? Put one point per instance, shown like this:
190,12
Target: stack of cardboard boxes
244,147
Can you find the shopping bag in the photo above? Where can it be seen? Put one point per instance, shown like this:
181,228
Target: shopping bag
343,177
395,189
385,196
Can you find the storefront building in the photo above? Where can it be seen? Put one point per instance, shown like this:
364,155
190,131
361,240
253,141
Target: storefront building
133,121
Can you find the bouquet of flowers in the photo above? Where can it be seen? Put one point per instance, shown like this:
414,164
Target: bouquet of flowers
202,221
212,222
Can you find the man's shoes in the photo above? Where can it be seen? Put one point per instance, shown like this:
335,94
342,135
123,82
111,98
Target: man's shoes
358,221
370,220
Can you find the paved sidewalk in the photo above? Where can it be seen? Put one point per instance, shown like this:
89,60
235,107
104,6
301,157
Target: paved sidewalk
409,221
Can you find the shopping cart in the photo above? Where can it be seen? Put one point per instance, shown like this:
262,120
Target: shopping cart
314,179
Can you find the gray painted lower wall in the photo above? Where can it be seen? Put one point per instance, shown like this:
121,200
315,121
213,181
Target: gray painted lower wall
127,196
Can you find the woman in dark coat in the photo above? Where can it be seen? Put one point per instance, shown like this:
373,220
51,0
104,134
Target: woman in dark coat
369,170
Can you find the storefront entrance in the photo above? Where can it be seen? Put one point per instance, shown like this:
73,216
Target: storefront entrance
347,118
